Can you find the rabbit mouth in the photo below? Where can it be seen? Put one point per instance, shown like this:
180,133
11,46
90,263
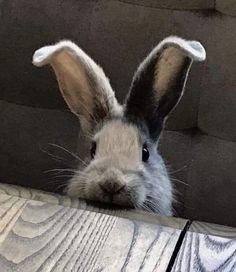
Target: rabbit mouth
108,205
114,200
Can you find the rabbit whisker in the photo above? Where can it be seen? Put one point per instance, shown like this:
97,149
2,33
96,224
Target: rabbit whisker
180,181
57,158
177,170
69,152
60,170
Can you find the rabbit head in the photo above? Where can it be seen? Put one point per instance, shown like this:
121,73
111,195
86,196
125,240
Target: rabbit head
125,167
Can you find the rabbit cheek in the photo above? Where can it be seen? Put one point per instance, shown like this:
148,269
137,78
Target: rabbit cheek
76,188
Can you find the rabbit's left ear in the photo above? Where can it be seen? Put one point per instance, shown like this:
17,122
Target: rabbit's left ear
159,82
82,83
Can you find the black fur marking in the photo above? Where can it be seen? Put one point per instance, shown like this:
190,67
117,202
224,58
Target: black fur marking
142,105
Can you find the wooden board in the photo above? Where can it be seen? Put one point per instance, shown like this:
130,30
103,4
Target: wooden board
10,209
65,234
213,229
47,237
207,247
66,201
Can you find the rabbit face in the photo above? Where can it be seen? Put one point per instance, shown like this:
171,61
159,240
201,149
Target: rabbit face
122,169
115,166
125,166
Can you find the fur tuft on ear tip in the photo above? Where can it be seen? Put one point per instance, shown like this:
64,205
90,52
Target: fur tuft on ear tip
43,55
193,49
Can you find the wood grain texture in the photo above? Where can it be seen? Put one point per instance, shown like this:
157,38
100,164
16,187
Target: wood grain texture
10,209
47,237
67,201
203,252
43,196
53,236
213,229
150,247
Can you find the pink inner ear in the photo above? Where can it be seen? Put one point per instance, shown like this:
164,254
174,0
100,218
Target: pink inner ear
167,69
73,81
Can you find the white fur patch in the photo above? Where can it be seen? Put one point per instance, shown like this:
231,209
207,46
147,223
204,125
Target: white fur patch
193,49
43,55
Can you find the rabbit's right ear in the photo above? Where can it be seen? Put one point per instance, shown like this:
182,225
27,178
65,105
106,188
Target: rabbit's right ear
159,82
82,82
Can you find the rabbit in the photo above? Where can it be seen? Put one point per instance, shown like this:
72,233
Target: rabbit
125,167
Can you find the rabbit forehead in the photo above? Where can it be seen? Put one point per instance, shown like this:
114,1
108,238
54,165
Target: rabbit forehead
119,137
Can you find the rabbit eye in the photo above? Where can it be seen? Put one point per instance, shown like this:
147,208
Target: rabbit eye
93,149
145,154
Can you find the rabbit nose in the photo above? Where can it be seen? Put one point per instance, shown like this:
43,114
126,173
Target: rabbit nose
111,187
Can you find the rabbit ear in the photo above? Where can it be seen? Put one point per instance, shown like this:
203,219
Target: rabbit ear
82,82
159,82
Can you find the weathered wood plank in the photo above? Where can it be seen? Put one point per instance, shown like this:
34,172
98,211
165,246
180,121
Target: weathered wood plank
205,251
66,201
43,196
10,209
40,236
150,248
49,237
213,229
